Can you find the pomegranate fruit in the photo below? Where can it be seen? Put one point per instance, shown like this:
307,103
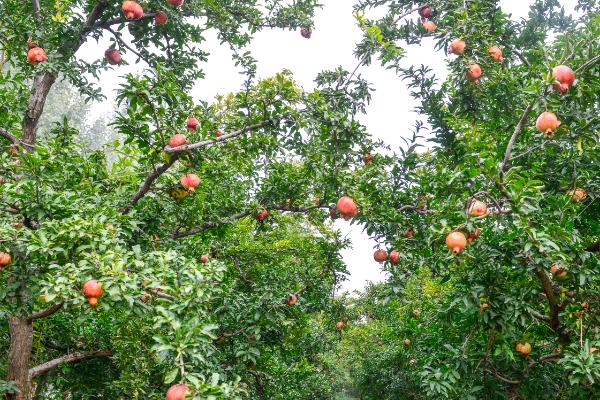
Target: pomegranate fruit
380,255
161,18
456,241
176,3
496,53
547,123
113,56
474,73
339,325
524,348
261,215
564,76
577,194
425,11
204,258
483,307
368,158
177,392
92,288
132,10
457,46
291,300
178,139
477,208
35,54
190,181
306,32
409,233
218,133
347,207
394,256
429,26
192,124
5,260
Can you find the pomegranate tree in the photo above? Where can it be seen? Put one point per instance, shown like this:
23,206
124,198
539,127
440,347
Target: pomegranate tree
547,123
347,207
132,10
456,241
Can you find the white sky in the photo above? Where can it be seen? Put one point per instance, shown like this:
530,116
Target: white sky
388,116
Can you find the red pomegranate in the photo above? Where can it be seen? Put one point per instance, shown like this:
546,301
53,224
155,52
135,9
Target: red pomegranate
113,56
177,392
178,139
394,256
132,10
306,32
477,208
161,18
425,11
577,194
192,124
429,26
339,325
368,158
190,181
93,288
347,207
291,300
204,258
35,54
218,133
261,215
380,255
176,3
5,260
409,233
457,46
564,76
456,241
474,73
547,123
496,53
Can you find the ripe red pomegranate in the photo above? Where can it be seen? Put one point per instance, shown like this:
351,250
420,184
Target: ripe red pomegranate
204,258
306,32
176,3
261,215
93,288
5,260
291,300
394,256
577,194
477,208
113,56
547,123
425,11
380,255
192,124
35,54
161,18
190,181
178,139
339,325
429,26
218,133
347,207
565,77
474,73
457,46
132,10
496,53
177,392
456,241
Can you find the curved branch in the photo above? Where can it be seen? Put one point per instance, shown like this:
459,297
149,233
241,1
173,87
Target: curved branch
145,188
513,138
40,369
46,312
188,147
502,378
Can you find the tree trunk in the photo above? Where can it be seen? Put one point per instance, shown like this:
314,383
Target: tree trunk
39,91
21,341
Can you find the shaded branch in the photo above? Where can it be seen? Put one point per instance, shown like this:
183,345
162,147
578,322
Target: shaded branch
162,295
40,369
146,185
502,378
513,138
544,359
46,312
188,147
13,139
588,64
552,301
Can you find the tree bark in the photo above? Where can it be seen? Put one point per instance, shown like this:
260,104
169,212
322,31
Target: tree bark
39,91
21,342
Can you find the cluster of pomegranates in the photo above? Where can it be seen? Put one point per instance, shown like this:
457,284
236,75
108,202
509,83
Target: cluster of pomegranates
5,260
381,256
474,71
547,122
92,290
426,12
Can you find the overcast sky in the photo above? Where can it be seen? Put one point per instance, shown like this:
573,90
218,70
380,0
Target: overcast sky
388,117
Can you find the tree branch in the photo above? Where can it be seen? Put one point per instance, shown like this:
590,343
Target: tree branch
13,139
552,302
502,378
188,147
162,295
145,188
513,138
40,369
587,64
546,358
35,4
46,312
